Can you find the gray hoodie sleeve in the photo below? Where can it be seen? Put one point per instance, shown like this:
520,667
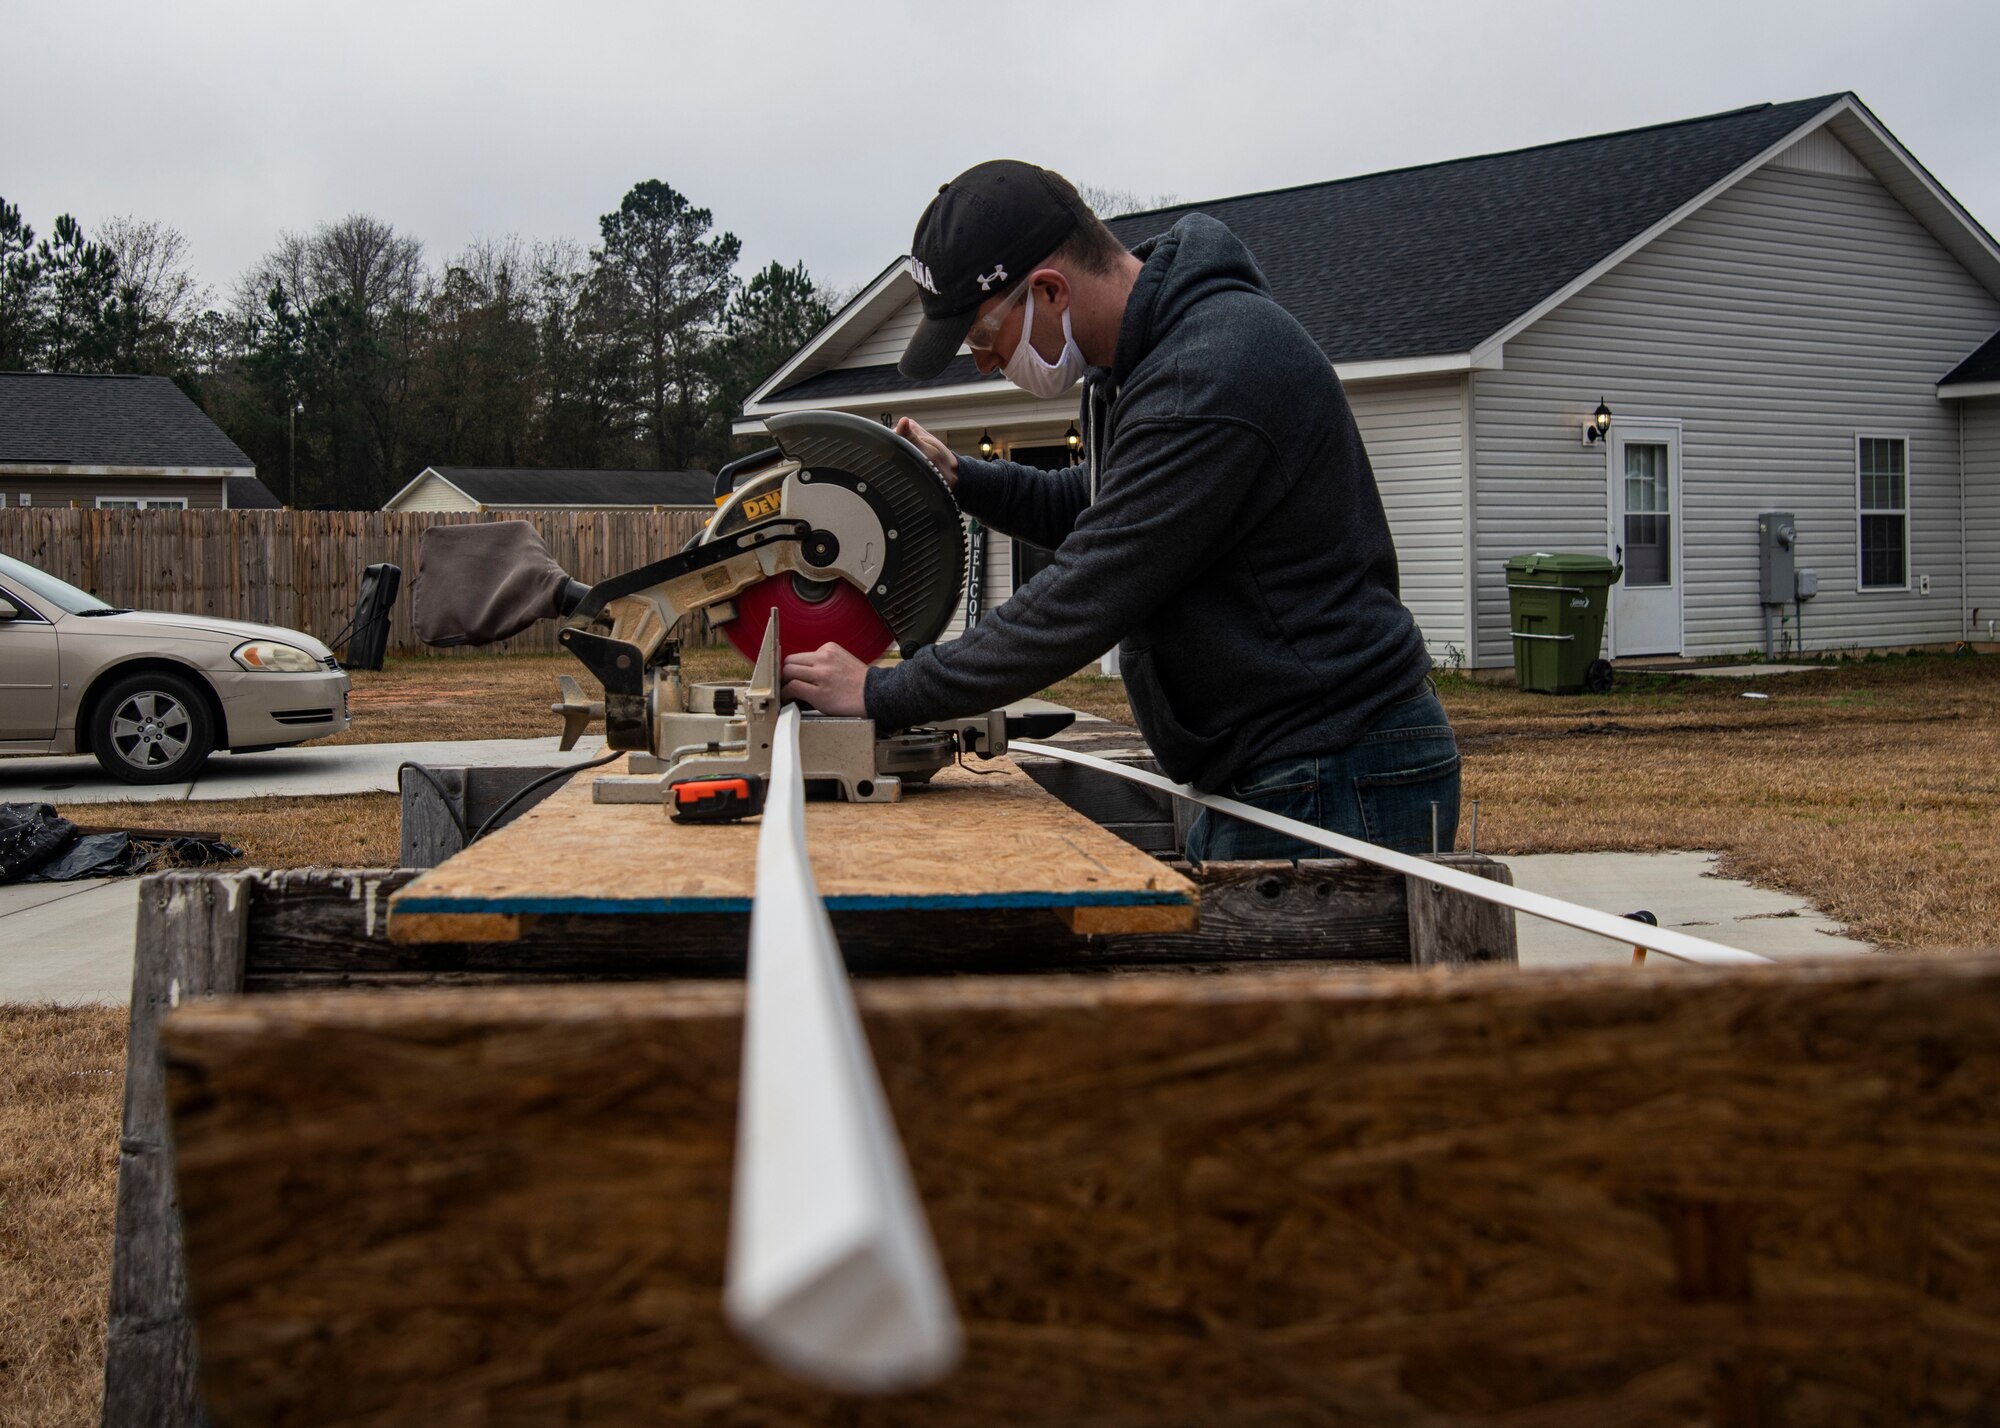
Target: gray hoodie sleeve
1039,506
1166,501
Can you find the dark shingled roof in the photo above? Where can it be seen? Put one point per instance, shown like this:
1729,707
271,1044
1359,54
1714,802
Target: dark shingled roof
107,421
516,487
1434,260
247,493
1981,366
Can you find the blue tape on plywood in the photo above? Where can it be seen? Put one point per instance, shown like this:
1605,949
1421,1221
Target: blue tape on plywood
653,906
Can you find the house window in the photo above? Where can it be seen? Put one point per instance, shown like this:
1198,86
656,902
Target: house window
142,503
1649,521
1883,467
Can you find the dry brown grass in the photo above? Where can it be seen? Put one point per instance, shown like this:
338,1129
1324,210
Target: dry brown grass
62,1082
1869,788
361,830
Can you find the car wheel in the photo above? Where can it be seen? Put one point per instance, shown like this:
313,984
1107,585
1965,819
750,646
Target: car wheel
152,727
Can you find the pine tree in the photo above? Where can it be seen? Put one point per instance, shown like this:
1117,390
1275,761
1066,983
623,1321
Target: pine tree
673,282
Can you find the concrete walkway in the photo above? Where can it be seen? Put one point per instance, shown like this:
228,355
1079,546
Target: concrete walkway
311,770
68,942
1682,891
72,942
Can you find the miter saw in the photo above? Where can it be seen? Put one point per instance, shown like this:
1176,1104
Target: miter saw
843,532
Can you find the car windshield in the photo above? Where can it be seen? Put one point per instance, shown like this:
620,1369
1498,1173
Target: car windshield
66,597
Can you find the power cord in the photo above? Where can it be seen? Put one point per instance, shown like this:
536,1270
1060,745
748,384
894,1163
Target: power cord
529,787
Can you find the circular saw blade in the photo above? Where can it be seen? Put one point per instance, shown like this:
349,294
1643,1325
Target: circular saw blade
842,616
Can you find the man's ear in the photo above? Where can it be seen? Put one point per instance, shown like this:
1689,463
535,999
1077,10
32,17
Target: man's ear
1054,287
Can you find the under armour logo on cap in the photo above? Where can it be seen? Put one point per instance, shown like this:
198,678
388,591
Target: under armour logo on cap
986,280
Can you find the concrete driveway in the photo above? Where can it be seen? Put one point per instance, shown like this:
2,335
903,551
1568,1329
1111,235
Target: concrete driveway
306,770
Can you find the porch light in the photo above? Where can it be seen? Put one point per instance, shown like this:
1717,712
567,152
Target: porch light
985,444
1599,423
1074,438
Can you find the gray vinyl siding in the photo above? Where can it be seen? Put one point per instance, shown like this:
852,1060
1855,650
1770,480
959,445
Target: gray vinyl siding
202,493
1982,513
886,343
1415,434
1777,322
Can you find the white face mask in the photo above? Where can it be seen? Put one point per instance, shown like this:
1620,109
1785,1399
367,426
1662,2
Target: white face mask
1026,369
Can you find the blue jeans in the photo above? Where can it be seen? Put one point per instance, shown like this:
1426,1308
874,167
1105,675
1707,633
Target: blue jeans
1379,789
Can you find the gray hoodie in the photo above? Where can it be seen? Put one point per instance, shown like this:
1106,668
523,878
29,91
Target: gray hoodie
1236,549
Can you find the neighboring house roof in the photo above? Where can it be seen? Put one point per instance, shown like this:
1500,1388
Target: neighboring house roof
1453,258
515,487
62,419
247,493
1981,369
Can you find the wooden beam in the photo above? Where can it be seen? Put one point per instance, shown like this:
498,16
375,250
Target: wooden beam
190,944
325,928
1453,929
1740,1197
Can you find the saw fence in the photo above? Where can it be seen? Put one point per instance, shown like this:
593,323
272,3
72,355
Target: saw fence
1247,1170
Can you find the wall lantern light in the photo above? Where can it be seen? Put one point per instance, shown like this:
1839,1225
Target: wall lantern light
985,444
1074,438
1599,424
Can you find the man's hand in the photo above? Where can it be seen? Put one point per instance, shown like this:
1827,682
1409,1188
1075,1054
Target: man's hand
941,456
829,679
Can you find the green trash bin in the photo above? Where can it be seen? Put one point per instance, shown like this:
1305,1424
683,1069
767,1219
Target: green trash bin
1558,604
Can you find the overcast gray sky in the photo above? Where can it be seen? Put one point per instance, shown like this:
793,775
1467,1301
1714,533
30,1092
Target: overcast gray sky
817,131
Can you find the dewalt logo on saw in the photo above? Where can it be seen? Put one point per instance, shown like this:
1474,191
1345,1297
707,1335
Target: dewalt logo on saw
758,507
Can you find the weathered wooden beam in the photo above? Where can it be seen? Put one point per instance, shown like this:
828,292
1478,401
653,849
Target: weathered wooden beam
318,928
1450,928
1738,1197
433,813
190,945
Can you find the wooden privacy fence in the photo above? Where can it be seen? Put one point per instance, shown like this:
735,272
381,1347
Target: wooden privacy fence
302,569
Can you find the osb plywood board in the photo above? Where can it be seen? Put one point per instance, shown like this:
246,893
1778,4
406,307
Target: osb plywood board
991,839
1582,1198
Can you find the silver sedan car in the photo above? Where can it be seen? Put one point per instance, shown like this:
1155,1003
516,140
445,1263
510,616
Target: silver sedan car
152,695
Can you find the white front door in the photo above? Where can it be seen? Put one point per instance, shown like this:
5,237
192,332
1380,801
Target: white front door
1646,537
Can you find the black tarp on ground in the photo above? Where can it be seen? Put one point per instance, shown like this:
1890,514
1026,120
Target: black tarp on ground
39,845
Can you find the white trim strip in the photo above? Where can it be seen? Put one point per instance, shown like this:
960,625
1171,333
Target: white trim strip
1552,909
832,1274
1386,369
1955,391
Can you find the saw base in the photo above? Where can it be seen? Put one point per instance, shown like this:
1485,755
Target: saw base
699,732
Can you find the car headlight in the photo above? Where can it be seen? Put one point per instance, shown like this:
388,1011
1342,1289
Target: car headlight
270,657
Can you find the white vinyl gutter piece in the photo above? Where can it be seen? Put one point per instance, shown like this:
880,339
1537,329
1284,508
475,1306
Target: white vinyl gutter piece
832,1274
1553,909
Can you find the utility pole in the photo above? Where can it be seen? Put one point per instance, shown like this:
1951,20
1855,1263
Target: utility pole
292,452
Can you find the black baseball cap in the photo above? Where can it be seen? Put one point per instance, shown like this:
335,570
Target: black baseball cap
986,229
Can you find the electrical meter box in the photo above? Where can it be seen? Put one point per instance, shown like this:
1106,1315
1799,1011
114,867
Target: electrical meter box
1777,534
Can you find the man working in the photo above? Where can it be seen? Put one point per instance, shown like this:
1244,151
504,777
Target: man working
1226,533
